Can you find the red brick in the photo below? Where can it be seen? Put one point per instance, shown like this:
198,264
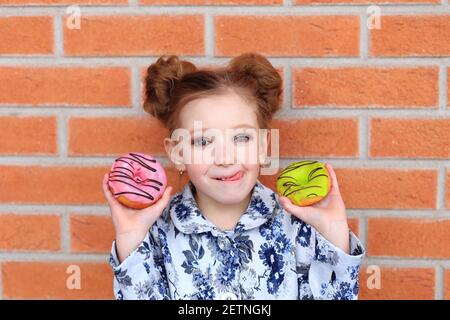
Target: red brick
48,280
37,135
410,138
411,35
398,284
63,2
413,237
378,188
363,1
213,2
91,233
331,137
100,136
106,86
52,185
60,184
366,87
29,232
288,35
136,35
26,35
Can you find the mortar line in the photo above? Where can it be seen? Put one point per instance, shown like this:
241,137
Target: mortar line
398,164
399,262
295,61
298,10
440,190
58,42
363,137
1,280
288,88
52,210
65,233
102,210
363,231
405,262
135,89
209,35
312,112
364,36
302,112
53,257
62,136
318,111
443,87
439,283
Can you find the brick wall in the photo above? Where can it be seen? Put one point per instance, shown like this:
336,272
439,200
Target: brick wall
371,101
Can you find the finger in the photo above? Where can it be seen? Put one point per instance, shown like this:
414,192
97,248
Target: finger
164,200
334,184
307,214
108,194
336,200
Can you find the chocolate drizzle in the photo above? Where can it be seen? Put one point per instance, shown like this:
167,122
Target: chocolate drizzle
128,174
294,184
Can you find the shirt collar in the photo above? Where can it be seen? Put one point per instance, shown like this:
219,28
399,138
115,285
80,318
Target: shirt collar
187,217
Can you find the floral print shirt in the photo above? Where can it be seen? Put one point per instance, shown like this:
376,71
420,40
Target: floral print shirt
270,254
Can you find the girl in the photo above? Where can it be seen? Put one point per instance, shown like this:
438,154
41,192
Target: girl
221,237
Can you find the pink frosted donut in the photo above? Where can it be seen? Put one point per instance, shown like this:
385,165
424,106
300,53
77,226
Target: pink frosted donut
137,180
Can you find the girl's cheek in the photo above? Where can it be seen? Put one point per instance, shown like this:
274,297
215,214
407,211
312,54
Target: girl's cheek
247,154
203,157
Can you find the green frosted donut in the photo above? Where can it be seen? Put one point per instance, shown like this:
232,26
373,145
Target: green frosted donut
305,182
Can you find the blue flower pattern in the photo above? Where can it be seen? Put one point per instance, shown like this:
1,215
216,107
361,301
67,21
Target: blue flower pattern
270,254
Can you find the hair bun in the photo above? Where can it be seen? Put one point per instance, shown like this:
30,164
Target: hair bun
255,68
162,77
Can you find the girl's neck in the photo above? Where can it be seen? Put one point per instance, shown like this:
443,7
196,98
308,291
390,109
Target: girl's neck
223,216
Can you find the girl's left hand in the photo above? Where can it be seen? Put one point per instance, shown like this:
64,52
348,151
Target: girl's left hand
327,216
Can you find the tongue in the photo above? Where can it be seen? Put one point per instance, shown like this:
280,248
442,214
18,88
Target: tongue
235,177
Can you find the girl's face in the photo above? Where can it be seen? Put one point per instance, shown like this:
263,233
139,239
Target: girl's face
223,141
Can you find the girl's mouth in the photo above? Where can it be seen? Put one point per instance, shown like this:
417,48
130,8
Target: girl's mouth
234,178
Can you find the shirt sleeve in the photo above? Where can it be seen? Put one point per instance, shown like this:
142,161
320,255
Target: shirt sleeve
325,271
141,275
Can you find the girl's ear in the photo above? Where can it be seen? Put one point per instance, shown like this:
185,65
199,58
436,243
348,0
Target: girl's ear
174,154
264,138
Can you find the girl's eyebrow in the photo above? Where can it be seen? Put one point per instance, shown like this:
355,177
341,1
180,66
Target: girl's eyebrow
245,125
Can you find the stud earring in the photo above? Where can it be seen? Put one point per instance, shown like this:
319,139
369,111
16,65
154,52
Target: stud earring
181,172
266,164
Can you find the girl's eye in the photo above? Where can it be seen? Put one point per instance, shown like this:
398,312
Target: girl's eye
204,141
201,142
242,138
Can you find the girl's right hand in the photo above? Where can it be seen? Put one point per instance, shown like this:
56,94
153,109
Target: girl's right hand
132,225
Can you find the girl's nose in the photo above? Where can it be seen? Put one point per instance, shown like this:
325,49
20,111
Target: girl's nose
224,154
